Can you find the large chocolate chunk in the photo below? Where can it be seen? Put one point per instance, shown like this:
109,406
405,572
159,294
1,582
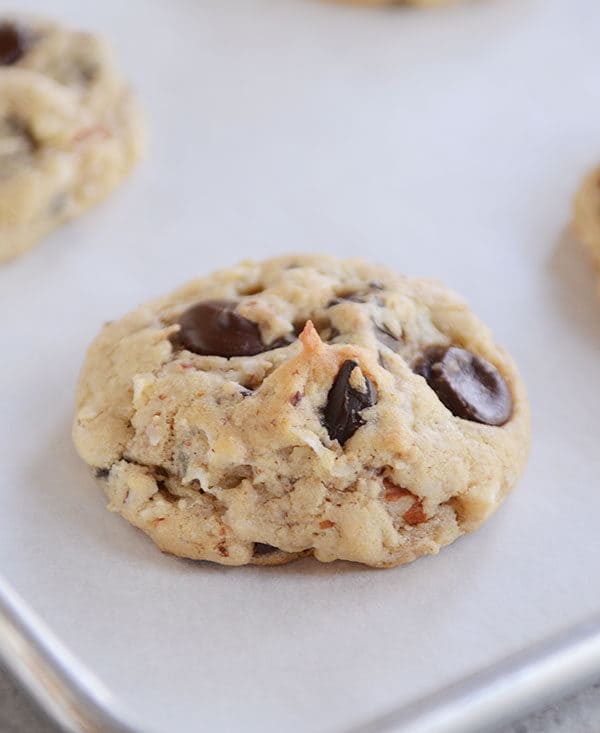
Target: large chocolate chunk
468,385
12,44
214,328
344,404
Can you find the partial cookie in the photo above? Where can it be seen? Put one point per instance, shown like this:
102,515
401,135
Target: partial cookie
70,129
381,3
587,214
302,405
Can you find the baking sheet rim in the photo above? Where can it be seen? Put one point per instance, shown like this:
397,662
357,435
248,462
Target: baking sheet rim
72,696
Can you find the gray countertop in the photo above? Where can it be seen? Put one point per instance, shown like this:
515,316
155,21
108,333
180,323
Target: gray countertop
579,713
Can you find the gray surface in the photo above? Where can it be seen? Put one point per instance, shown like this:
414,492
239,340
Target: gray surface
579,713
17,713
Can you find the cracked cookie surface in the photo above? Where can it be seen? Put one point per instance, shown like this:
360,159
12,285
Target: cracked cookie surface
70,129
302,405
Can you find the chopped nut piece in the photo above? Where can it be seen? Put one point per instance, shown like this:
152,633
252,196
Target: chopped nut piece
415,515
295,398
393,492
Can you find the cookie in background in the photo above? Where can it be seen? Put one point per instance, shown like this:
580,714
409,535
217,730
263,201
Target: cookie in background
70,128
586,215
397,3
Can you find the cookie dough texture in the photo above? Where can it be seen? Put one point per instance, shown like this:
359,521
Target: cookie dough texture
229,460
70,129
587,215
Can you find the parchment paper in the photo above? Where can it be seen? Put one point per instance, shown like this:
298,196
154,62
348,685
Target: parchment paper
444,143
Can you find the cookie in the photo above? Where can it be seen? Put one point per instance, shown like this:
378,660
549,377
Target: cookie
302,405
382,3
587,215
70,129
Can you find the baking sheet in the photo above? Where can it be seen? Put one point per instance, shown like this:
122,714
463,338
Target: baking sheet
444,143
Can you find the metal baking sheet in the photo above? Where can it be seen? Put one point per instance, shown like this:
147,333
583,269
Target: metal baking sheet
444,143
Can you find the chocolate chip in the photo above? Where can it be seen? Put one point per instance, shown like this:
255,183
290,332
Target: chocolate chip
344,404
468,385
214,328
332,334
165,493
12,44
284,341
261,549
89,73
358,297
387,338
351,297
101,473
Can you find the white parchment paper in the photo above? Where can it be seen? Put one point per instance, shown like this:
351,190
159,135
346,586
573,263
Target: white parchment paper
444,143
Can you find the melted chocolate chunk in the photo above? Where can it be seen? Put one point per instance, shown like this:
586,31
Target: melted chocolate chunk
215,328
468,385
344,404
387,338
12,44
261,549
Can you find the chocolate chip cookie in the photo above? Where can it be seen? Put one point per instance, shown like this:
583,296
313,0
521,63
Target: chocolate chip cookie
70,129
380,3
302,405
587,215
